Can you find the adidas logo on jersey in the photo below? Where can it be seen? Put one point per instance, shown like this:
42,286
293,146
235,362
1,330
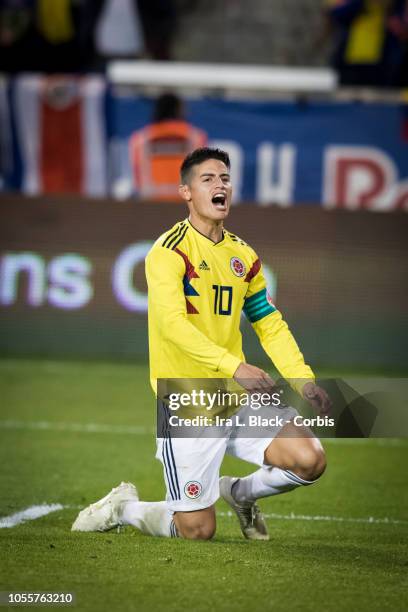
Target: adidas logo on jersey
203,266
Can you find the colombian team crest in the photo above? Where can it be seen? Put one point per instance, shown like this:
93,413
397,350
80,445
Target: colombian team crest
193,489
237,266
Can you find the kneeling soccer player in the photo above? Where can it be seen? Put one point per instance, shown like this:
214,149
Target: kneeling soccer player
200,277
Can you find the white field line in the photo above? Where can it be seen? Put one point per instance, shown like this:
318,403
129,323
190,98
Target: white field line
29,514
35,512
141,430
330,519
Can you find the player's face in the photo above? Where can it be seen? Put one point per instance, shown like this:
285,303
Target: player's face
208,193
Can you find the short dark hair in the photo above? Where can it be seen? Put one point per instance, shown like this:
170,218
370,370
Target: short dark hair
198,157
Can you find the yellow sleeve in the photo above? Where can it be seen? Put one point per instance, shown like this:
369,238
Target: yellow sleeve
274,334
167,309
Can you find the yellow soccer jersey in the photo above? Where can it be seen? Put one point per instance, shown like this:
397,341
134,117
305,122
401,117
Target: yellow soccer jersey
197,290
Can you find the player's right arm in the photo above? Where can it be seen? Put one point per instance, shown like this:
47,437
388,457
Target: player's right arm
254,379
165,270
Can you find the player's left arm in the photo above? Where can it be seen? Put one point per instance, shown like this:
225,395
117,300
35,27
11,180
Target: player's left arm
279,344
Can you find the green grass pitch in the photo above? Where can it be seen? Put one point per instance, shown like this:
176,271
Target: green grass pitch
307,565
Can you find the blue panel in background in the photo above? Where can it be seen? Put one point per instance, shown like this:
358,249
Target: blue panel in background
346,154
305,129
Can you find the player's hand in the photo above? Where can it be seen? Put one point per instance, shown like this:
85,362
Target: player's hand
253,379
317,398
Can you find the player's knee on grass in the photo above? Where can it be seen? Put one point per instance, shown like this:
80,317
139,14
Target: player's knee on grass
196,525
198,532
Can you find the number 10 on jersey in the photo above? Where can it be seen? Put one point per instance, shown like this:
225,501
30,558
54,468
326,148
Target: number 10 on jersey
222,299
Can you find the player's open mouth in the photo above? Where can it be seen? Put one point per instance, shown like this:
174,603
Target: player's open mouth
220,201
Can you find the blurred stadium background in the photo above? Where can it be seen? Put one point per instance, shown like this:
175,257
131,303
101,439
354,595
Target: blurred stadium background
319,169
309,97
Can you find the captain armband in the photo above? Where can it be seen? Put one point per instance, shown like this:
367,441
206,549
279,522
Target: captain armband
258,306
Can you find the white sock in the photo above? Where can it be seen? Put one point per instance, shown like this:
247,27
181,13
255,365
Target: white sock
265,482
153,518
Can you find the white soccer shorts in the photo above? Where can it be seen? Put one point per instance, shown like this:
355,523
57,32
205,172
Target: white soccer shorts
191,466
